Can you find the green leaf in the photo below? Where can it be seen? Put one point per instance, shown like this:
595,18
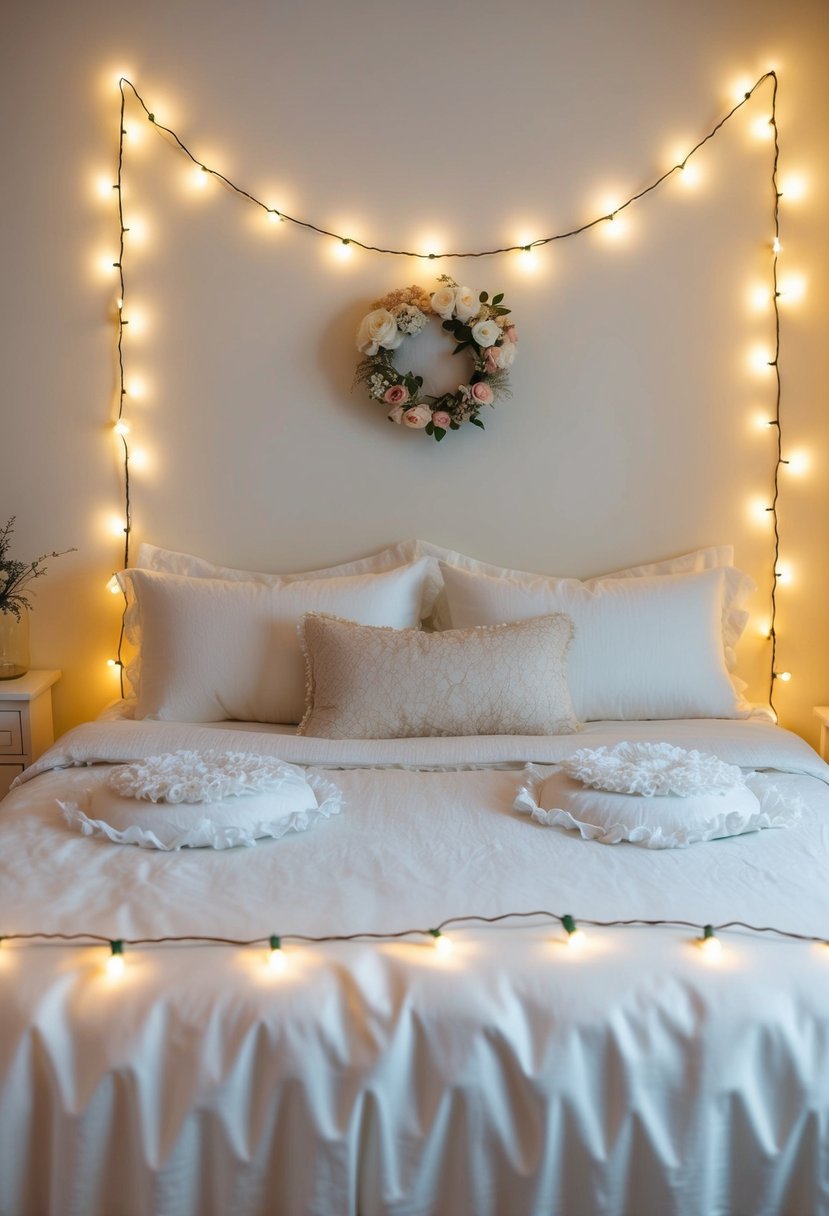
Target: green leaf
502,312
454,426
477,422
419,381
439,433
429,428
448,325
483,297
497,299
461,346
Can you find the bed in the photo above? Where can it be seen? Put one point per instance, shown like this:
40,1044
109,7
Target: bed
375,1071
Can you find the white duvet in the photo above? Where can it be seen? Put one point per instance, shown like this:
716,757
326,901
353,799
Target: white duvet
510,1076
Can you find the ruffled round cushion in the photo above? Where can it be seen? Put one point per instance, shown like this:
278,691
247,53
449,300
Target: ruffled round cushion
213,800
655,822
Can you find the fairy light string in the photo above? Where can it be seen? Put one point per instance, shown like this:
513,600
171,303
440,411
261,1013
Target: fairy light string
344,239
568,922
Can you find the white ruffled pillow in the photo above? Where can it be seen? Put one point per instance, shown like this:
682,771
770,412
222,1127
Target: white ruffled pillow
216,800
642,804
212,650
644,647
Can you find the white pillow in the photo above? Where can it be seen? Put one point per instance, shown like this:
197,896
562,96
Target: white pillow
210,799
212,649
738,586
366,683
168,561
661,822
643,647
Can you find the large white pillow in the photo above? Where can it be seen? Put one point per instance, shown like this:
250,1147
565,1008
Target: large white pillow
644,647
366,683
738,585
213,649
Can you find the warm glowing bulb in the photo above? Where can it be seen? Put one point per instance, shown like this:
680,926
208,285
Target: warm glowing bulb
784,574
274,217
710,944
133,133
763,128
775,245
115,962
121,427
615,226
785,676
760,511
343,249
136,230
792,288
798,463
793,188
443,944
198,177
575,937
115,525
276,956
761,359
108,263
689,175
119,303
139,459
741,90
115,587
760,297
136,387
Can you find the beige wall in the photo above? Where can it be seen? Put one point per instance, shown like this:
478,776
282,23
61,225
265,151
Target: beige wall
631,434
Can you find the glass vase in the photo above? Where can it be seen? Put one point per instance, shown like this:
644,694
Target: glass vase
14,644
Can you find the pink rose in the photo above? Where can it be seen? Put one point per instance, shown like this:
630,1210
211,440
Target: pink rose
396,415
442,420
482,393
418,416
491,361
510,334
398,394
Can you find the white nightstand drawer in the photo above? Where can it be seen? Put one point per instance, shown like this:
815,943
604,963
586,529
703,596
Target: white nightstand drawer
11,735
8,772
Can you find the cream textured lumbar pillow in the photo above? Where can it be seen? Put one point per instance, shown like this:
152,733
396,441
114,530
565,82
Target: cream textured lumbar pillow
366,682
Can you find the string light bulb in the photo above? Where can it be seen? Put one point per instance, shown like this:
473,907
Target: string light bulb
575,935
115,962
114,587
709,943
121,427
785,676
276,955
443,944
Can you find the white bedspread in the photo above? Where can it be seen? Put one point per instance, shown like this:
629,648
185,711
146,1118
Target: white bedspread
510,1076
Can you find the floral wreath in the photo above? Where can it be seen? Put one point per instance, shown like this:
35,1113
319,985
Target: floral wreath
477,324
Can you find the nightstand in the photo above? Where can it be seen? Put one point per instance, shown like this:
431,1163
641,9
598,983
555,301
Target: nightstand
25,722
822,713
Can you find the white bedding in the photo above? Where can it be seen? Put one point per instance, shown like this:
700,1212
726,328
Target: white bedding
510,1076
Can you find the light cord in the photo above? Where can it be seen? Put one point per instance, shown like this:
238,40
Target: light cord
124,83
433,932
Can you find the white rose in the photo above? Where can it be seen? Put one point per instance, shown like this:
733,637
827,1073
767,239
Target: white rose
443,302
504,355
377,329
466,303
486,333
418,416
396,415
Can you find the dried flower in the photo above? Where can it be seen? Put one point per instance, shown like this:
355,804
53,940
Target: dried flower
16,576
